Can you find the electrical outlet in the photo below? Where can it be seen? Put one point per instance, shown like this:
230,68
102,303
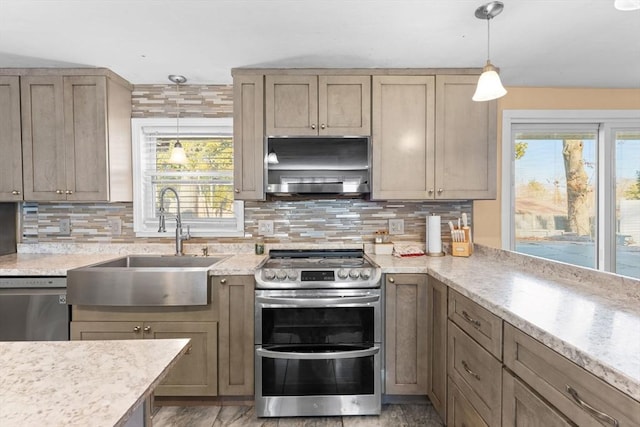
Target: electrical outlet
265,227
115,225
65,227
396,226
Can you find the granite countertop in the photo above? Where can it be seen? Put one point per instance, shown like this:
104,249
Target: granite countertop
590,317
81,383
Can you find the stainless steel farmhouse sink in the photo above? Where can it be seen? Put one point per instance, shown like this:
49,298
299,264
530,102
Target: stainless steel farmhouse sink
142,280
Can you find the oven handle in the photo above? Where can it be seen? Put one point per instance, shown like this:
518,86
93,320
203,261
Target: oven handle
317,356
317,302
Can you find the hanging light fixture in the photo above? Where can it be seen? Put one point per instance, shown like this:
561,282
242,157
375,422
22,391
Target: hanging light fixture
178,155
489,84
627,4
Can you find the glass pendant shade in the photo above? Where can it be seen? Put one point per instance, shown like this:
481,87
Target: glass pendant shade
489,85
627,4
178,155
272,158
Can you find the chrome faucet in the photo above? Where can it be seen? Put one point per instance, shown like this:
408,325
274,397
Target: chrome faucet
180,236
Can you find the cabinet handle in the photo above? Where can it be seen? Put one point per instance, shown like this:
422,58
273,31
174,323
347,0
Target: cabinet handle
440,190
223,281
68,192
237,190
188,350
136,329
147,329
59,192
391,280
430,191
474,322
15,192
469,371
590,409
322,126
313,126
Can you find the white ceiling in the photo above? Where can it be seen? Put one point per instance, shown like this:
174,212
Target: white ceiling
579,43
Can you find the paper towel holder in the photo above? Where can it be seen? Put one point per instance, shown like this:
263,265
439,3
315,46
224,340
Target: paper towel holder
428,252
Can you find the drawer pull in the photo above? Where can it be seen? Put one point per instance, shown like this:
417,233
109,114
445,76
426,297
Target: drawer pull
474,322
469,371
590,409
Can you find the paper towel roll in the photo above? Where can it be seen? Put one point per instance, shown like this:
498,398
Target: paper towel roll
434,239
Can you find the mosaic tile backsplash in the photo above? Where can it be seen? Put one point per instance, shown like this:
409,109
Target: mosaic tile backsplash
317,221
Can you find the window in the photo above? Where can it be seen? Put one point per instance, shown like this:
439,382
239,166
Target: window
574,187
204,184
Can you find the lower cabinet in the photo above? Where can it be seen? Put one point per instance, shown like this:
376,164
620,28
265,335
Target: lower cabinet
461,412
195,374
235,353
522,407
437,345
406,334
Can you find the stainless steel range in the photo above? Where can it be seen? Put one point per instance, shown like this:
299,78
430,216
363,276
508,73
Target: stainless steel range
318,334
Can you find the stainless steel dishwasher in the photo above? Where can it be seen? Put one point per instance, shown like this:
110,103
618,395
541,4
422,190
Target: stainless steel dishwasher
34,309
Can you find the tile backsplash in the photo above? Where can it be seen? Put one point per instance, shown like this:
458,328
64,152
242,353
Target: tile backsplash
317,221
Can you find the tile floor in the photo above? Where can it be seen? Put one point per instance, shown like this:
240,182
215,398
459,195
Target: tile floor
396,415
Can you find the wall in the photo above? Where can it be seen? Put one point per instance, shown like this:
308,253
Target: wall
487,213
336,220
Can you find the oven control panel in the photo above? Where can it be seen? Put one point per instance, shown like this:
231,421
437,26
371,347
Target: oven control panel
341,277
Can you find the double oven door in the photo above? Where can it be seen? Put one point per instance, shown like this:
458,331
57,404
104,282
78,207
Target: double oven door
318,352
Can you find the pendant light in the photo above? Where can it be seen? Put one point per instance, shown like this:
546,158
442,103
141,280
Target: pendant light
489,84
627,4
178,155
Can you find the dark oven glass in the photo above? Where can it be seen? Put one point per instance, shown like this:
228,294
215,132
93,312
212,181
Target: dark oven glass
300,377
330,325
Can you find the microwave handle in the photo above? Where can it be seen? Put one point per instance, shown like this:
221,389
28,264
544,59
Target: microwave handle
318,302
317,356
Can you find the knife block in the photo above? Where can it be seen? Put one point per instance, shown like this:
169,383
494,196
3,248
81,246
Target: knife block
463,248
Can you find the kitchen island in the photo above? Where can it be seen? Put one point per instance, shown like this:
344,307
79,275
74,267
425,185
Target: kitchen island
81,383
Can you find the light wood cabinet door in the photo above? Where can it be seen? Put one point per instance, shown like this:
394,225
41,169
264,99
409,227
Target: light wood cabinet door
291,105
236,352
85,138
521,407
406,334
248,137
403,120
196,373
10,139
43,147
465,141
437,344
460,412
344,105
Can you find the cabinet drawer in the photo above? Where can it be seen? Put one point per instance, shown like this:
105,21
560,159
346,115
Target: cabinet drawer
460,412
523,407
476,373
479,323
583,398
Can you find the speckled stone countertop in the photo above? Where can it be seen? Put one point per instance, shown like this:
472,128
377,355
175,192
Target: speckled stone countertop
80,383
590,317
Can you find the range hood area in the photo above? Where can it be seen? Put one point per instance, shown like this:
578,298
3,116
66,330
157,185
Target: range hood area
337,166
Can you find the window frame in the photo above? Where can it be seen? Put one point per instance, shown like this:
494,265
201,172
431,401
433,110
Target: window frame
608,122
166,126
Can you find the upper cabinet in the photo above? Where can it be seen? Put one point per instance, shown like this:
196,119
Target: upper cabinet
430,140
75,135
309,105
248,134
10,139
465,149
